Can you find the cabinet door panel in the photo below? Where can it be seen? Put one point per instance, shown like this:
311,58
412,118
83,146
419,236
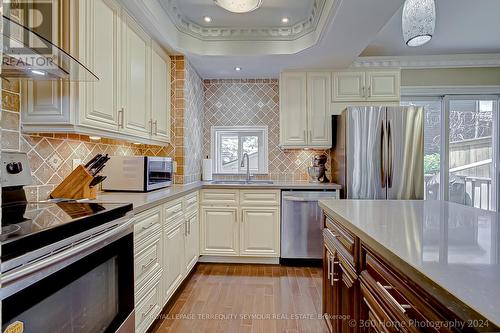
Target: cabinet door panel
192,242
293,109
383,86
100,34
173,257
260,236
160,96
219,231
348,86
318,109
137,50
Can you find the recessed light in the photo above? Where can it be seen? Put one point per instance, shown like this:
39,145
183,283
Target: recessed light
237,69
137,143
285,20
95,138
34,71
207,19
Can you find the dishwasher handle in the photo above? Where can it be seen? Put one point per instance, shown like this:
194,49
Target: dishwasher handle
301,199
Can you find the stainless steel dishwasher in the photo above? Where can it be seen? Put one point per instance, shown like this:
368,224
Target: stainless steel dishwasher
302,224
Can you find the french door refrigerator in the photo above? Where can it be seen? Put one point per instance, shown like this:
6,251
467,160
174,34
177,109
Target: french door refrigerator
378,153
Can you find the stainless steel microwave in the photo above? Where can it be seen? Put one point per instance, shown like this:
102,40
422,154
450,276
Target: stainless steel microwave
137,173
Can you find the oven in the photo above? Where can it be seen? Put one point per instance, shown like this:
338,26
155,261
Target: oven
137,173
81,284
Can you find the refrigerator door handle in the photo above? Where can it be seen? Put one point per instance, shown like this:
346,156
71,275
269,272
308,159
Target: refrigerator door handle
382,159
390,155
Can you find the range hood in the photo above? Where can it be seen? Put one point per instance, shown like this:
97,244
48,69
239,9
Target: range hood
29,56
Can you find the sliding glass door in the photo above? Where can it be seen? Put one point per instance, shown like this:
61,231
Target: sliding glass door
461,148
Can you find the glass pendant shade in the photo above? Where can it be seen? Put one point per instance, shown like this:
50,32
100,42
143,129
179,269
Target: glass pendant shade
239,6
419,21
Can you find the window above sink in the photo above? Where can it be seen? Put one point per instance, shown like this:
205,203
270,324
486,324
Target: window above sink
230,143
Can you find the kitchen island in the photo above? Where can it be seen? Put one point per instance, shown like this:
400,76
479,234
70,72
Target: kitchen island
411,265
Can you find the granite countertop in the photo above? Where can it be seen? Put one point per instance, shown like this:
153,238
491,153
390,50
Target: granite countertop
144,201
454,246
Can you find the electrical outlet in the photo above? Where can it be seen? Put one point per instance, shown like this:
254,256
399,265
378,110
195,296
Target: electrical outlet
76,163
174,166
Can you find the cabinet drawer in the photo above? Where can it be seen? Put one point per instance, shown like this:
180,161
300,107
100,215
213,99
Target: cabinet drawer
147,223
259,198
147,260
148,307
219,197
173,211
191,203
405,302
373,310
344,241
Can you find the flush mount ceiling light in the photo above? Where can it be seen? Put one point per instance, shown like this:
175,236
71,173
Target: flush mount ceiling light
237,69
239,6
207,19
419,21
285,20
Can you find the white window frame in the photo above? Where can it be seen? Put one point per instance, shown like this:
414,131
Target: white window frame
460,93
240,131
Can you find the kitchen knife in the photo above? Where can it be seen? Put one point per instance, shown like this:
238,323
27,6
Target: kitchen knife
97,164
96,171
97,180
89,163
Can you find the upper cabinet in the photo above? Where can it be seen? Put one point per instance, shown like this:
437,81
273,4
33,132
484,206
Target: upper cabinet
160,94
131,100
305,100
371,86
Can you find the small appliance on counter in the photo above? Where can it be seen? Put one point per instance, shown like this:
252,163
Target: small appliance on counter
317,171
137,173
57,250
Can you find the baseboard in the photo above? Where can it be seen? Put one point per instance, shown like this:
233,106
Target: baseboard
239,260
301,262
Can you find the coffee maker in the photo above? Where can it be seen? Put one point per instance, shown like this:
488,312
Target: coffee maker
318,169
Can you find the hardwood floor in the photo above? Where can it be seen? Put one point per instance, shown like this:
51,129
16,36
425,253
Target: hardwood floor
247,298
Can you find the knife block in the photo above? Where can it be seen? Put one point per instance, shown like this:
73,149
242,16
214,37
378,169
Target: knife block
76,186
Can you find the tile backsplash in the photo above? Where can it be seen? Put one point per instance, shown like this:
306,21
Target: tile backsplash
254,102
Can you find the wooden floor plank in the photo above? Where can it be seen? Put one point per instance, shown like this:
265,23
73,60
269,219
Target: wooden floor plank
225,298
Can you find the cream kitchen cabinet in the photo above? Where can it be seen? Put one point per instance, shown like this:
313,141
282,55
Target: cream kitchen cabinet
160,94
191,232
305,100
219,231
240,223
369,86
132,91
136,101
173,258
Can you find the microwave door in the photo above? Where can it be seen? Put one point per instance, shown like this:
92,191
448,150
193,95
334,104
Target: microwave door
159,173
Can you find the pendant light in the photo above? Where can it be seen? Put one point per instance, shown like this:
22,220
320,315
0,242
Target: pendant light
419,21
239,6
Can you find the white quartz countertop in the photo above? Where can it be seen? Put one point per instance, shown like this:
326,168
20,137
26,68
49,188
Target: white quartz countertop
454,246
144,201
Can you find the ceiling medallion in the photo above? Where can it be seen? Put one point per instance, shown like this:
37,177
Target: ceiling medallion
419,21
239,6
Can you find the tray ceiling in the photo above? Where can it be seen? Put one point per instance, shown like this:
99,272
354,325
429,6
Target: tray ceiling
262,24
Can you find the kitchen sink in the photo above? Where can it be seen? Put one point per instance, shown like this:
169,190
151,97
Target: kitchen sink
241,182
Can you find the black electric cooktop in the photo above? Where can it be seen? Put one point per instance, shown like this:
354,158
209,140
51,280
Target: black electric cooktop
29,226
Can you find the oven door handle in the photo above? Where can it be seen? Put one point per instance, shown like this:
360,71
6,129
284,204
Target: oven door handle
56,261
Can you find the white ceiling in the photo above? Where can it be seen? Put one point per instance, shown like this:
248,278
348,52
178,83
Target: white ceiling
462,27
268,15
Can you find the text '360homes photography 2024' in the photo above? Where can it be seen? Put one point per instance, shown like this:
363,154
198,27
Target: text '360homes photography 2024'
253,166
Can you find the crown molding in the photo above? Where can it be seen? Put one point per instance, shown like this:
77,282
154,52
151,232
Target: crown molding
448,90
430,61
274,33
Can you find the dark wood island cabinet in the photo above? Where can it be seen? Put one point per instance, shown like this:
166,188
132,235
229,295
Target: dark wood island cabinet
365,290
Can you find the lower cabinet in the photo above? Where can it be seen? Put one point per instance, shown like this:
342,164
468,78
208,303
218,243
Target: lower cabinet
240,223
173,263
219,231
166,250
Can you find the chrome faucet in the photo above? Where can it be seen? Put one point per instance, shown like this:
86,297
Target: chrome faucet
245,155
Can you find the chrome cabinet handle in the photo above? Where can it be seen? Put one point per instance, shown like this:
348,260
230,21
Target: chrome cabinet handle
363,91
151,127
334,279
382,157
148,226
329,264
149,263
401,307
120,117
156,127
390,155
369,91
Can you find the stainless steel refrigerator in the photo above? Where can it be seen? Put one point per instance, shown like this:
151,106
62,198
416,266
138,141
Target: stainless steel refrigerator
379,152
